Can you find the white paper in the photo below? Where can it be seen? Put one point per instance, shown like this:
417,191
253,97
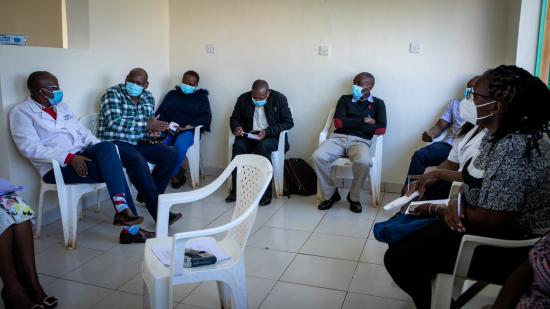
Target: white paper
207,244
401,201
6,187
413,205
252,136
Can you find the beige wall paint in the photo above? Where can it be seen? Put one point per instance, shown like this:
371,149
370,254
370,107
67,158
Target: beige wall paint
279,40
123,34
39,20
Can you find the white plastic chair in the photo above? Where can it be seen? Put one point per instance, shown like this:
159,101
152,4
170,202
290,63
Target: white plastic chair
69,197
277,160
342,167
253,175
445,287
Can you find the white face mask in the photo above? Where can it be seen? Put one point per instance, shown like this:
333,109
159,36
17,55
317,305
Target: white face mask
468,110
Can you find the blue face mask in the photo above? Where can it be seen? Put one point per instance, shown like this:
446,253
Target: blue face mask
259,103
133,90
187,89
357,92
57,97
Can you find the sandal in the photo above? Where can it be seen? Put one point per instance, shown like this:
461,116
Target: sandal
49,302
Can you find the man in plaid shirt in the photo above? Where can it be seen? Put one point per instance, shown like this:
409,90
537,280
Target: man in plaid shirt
127,119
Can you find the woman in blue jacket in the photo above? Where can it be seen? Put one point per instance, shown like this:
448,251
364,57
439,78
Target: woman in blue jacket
188,107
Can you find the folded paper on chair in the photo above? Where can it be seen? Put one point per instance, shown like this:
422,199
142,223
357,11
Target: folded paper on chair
7,187
193,255
402,201
439,203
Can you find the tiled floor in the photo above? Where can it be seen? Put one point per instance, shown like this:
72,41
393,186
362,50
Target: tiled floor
297,257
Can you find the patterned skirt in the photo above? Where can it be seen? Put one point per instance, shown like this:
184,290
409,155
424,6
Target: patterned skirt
13,210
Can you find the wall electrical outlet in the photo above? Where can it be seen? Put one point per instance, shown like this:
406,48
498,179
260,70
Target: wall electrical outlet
324,50
210,49
415,48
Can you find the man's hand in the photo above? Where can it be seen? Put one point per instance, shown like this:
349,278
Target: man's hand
426,137
238,131
154,124
450,215
79,165
369,120
261,135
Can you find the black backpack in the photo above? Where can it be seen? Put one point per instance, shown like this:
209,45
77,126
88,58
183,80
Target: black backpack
300,178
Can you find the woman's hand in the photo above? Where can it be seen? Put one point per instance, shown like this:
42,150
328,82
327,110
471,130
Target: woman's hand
452,218
424,182
423,210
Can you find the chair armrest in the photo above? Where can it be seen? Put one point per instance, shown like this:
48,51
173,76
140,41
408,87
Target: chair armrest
324,133
282,140
376,147
197,135
470,243
166,201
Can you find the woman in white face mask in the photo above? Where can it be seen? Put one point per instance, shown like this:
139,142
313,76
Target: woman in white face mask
505,192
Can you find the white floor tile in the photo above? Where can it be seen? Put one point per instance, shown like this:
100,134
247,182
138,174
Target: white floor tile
99,237
133,250
206,295
202,209
74,295
56,261
334,246
278,239
187,223
373,279
374,252
360,301
288,295
297,219
267,264
320,272
108,270
341,209
41,244
120,300
344,226
135,286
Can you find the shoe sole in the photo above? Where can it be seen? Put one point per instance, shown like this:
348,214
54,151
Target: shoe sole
127,223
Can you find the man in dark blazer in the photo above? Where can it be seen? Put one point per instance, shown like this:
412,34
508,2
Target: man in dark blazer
258,118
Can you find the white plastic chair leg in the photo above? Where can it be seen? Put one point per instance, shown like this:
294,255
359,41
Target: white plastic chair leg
146,297
278,173
38,227
98,208
194,166
70,220
238,293
225,294
375,186
442,291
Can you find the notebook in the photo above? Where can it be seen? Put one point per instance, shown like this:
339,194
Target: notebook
439,203
402,201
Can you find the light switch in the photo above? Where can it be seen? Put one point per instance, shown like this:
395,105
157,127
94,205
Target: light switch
324,50
210,49
415,48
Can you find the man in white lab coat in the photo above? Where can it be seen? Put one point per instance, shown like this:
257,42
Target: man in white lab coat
43,128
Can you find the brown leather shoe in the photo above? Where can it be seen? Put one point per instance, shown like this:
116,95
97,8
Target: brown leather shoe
126,218
139,238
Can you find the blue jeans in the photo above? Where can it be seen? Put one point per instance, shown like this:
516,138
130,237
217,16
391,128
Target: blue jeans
182,142
149,185
104,167
431,155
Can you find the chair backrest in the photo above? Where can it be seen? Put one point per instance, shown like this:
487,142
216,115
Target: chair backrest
253,177
90,122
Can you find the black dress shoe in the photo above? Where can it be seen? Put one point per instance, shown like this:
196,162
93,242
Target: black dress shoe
126,219
354,206
230,198
265,201
139,238
324,205
173,217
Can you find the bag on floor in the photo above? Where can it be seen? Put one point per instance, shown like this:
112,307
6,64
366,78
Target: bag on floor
300,178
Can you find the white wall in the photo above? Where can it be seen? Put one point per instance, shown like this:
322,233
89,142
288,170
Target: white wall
278,41
528,34
123,34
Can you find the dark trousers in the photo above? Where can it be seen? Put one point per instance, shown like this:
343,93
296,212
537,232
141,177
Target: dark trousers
104,167
149,185
263,148
413,262
431,155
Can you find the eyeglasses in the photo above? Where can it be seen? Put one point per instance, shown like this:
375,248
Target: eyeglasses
470,93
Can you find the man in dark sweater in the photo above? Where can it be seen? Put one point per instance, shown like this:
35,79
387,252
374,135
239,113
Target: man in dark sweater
357,118
264,113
